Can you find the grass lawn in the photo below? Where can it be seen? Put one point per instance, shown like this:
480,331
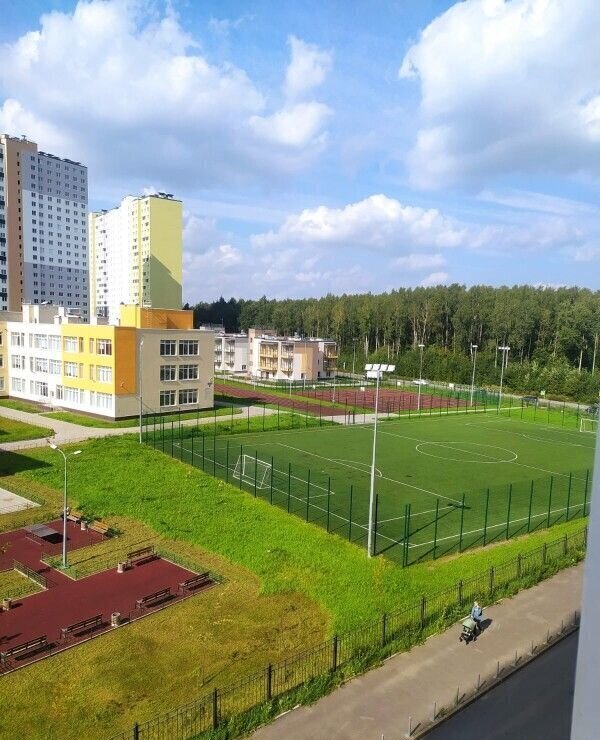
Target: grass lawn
18,405
90,421
515,475
14,431
14,585
287,585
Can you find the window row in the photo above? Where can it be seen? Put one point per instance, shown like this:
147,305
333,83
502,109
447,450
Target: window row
170,347
56,343
186,397
181,372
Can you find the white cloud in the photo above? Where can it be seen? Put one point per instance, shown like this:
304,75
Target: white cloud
125,89
377,221
539,202
414,262
506,87
307,69
436,278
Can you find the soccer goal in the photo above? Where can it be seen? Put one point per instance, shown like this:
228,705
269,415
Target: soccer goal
588,425
251,470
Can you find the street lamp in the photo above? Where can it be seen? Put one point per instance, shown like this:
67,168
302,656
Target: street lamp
378,369
140,385
65,455
505,350
421,347
474,353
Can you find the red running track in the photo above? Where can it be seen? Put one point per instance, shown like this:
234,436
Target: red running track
390,400
252,394
67,601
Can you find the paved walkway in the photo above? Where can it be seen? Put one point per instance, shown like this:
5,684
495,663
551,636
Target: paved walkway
67,433
380,703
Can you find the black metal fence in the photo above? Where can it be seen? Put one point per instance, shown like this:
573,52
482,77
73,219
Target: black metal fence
360,647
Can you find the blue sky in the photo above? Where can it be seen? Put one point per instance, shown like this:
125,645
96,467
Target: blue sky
329,146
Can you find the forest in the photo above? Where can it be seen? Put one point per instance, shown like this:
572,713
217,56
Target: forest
552,332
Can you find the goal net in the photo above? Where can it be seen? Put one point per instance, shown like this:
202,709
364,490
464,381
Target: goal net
588,425
251,470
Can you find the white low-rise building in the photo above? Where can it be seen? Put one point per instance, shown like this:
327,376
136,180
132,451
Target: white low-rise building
231,353
272,357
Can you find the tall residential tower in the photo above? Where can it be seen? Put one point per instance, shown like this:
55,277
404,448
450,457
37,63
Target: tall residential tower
43,228
136,255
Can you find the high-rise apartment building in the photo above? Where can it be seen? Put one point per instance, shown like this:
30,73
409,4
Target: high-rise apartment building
136,255
43,228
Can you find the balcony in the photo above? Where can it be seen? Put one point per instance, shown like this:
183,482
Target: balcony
330,352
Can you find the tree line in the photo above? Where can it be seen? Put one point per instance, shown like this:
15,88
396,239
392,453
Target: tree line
553,333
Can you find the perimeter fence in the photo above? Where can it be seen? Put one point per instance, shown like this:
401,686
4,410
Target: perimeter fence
238,708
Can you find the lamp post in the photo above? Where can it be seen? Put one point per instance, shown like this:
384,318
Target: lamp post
140,385
378,370
505,350
65,455
421,347
474,353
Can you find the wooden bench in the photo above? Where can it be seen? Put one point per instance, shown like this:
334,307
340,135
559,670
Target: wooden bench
75,516
143,555
102,529
191,584
25,648
153,599
85,625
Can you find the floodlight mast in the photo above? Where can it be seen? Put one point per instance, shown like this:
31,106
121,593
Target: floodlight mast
421,347
378,369
474,353
65,455
505,350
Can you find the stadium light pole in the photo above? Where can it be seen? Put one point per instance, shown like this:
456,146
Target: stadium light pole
65,455
474,353
421,347
378,370
505,350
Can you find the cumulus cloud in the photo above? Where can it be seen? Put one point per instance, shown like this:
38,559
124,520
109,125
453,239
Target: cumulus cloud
506,87
377,221
126,89
414,262
435,278
308,68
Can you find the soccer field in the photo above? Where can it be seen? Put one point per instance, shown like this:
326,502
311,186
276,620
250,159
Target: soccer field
443,483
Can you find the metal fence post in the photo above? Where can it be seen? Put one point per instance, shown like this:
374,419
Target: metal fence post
375,524
350,516
307,494
269,682
508,511
585,490
530,506
519,557
328,500
334,653
241,461
136,731
485,521
460,593
565,543
569,496
289,485
383,628
271,491
215,709
423,610
462,521
226,462
544,551
435,526
550,500
492,581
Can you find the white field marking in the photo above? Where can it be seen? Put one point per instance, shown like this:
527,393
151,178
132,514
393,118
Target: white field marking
490,461
412,516
491,526
366,466
211,461
383,477
512,462
536,439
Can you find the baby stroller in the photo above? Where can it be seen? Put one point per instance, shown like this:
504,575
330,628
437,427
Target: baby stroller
469,630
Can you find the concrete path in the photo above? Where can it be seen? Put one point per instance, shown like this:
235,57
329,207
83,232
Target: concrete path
380,703
67,433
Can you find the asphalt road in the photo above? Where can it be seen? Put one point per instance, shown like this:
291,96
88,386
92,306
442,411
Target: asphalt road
535,703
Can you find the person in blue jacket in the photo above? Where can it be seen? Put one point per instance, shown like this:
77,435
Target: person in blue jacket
477,615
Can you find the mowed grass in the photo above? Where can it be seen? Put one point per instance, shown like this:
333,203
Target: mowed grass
287,585
90,421
14,585
15,431
17,405
515,476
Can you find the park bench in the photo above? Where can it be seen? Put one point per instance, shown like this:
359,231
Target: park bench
154,598
102,529
191,584
75,516
85,625
143,555
25,648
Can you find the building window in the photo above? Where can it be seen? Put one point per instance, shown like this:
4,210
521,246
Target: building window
188,396
188,347
54,343
188,372
17,385
17,362
17,339
168,348
41,389
103,374
71,344
41,365
40,341
71,394
168,372
104,347
59,393
91,346
55,367
104,400
167,398
71,369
